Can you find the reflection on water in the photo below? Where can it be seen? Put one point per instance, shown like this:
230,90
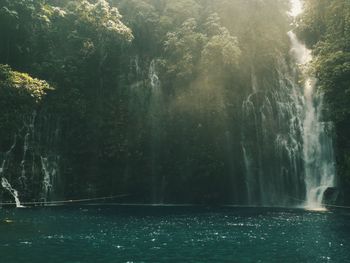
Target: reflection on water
173,234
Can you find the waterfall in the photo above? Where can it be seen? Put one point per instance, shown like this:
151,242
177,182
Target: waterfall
136,64
155,118
49,167
249,181
318,153
287,150
5,184
296,8
271,140
31,166
23,177
48,162
28,140
154,79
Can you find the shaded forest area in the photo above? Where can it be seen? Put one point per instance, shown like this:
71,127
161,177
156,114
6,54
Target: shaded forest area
144,97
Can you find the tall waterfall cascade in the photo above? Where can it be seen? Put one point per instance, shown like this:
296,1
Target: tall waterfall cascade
286,147
318,155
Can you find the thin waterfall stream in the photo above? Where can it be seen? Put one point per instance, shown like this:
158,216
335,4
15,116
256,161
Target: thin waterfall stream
5,184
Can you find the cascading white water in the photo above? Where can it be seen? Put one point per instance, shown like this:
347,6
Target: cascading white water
271,140
154,79
5,184
25,171
23,177
49,167
317,143
28,141
47,181
136,65
296,8
286,148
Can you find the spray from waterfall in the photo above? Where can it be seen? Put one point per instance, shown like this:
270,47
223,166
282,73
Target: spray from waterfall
318,153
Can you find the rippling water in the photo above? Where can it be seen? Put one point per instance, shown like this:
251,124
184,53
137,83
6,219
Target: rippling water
172,234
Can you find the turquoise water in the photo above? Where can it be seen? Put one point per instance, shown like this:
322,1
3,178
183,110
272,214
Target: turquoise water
172,234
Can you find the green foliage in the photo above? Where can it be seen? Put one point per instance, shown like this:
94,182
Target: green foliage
191,50
22,85
221,49
183,49
101,18
179,11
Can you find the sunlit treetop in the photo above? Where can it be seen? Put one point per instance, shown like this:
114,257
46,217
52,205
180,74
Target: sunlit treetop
102,16
22,84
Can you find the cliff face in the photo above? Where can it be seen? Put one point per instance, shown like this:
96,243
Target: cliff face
175,101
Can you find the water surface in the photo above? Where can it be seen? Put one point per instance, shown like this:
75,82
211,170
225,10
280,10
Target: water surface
172,234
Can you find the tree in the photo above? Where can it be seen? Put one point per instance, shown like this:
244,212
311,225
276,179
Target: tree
183,50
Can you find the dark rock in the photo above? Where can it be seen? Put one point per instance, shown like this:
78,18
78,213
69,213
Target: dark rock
331,195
